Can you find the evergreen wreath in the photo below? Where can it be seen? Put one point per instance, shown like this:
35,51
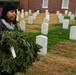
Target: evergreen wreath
25,48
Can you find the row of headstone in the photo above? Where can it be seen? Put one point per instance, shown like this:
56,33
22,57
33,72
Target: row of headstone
22,23
22,14
72,34
33,17
65,24
71,15
40,39
44,27
66,12
60,16
26,12
47,15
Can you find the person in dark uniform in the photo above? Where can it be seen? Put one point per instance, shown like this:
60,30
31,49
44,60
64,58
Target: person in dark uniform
7,22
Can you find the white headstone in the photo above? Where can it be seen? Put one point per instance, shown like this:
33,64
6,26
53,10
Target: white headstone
61,19
30,12
22,11
46,12
17,18
18,12
38,11
48,17
44,28
72,17
34,16
42,41
22,15
66,12
69,14
30,20
46,20
72,35
22,25
65,24
57,13
26,13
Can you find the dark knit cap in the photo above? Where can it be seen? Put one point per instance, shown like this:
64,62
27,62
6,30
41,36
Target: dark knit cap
7,7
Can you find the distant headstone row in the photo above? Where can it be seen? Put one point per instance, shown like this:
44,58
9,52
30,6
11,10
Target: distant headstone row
40,39
65,23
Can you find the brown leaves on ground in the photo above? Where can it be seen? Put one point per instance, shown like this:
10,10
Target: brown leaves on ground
61,60
36,26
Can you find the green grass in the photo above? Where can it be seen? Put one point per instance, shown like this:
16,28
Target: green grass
66,17
55,35
74,71
75,18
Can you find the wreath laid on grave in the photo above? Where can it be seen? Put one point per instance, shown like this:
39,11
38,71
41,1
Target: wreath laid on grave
25,51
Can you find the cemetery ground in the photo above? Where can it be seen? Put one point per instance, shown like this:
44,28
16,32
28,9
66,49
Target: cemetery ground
61,56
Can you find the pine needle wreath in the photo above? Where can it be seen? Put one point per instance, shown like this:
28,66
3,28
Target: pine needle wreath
25,48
